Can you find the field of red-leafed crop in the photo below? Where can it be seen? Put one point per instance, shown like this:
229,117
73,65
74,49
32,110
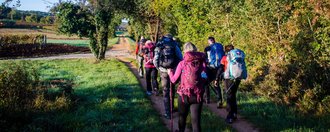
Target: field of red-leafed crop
30,50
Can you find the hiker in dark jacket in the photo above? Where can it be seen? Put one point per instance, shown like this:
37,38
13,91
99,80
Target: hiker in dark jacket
214,54
191,71
167,55
151,71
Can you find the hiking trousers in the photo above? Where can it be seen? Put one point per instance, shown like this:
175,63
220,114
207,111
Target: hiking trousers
211,74
231,87
195,109
140,63
151,79
166,92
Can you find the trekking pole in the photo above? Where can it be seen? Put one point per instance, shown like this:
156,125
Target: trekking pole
171,109
230,86
213,89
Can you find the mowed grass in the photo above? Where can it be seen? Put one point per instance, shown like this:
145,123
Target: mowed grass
108,98
81,42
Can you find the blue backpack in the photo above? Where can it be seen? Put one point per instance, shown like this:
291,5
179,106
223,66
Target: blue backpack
236,68
215,54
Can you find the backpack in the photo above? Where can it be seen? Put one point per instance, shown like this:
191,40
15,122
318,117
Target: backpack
236,68
141,45
167,56
191,78
149,54
215,54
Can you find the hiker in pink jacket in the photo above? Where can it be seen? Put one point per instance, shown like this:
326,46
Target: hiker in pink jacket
191,70
151,71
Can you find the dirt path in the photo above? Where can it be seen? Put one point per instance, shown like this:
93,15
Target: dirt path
157,101
241,125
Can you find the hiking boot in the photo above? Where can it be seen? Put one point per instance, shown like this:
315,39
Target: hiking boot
235,116
207,101
156,92
219,105
167,116
229,120
149,93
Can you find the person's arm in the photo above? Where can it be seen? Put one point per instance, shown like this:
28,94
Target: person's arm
175,76
178,52
156,58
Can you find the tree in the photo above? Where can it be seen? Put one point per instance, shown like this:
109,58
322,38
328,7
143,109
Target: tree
32,18
12,13
4,11
46,20
92,20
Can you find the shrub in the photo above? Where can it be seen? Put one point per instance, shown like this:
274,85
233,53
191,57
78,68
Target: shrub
17,87
22,95
7,40
7,23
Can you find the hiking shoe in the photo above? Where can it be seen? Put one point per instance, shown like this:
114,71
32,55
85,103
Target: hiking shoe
149,93
219,105
141,75
156,92
229,120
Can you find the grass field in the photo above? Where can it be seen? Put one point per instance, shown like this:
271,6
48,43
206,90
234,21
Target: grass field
80,43
106,99
269,116
272,117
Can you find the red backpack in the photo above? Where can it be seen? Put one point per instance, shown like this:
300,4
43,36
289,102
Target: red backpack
191,79
149,53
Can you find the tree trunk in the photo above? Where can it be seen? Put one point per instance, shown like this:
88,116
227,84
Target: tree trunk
103,41
102,19
157,30
93,45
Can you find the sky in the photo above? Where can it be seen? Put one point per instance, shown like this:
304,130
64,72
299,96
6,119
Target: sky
35,5
38,5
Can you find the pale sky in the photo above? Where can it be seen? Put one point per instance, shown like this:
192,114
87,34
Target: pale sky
35,5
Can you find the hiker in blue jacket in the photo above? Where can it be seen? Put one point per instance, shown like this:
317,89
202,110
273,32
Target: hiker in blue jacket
214,53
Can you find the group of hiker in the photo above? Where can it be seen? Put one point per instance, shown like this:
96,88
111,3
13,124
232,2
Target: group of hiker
196,72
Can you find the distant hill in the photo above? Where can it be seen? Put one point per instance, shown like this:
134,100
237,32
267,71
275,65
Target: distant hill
38,13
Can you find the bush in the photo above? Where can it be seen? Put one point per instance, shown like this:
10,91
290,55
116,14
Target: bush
17,87
6,40
22,95
286,43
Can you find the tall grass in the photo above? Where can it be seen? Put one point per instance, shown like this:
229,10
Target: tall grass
273,117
